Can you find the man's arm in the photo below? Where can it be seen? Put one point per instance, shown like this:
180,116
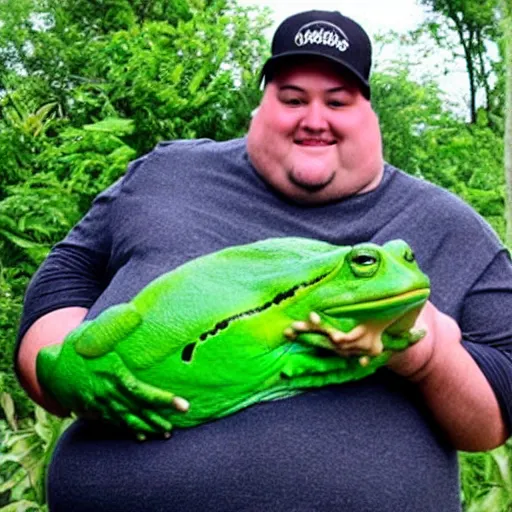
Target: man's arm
452,384
49,329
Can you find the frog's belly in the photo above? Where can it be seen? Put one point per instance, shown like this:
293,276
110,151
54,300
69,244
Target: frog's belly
357,447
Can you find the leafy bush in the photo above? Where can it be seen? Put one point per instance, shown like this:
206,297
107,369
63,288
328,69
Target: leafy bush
27,447
486,480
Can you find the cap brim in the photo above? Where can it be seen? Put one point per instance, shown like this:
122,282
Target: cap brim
269,67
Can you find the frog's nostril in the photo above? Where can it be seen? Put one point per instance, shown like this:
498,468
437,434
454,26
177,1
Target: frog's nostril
409,256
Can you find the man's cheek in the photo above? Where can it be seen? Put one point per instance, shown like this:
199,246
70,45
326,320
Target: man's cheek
363,126
281,124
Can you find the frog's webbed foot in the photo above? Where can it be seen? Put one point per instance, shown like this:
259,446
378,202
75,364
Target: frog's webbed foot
364,340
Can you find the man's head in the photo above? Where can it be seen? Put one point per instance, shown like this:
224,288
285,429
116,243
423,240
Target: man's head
315,137
327,35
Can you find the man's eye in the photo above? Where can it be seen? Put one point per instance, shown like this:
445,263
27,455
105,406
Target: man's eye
336,103
292,101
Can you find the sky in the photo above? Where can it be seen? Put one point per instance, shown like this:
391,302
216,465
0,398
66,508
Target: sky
373,15
380,16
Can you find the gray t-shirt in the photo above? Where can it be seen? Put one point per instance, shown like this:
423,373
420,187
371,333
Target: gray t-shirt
365,446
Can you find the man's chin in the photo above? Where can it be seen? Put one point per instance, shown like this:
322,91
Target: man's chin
310,185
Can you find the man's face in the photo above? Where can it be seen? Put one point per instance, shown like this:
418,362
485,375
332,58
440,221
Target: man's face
315,137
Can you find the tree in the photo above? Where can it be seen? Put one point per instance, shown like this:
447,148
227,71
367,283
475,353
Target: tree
424,138
475,25
506,10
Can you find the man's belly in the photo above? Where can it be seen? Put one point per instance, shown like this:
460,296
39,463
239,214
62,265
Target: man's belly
357,447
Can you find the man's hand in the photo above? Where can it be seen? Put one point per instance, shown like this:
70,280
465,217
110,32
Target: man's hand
415,362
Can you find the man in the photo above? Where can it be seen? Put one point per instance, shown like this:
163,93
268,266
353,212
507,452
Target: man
310,166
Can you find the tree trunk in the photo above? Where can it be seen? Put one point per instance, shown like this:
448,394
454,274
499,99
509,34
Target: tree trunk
484,75
506,8
468,48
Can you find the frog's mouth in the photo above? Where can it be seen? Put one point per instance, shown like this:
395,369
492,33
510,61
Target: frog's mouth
383,307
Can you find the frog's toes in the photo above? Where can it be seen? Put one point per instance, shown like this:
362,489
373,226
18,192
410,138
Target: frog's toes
314,318
360,341
364,360
180,404
313,325
302,327
417,335
141,436
363,340
347,337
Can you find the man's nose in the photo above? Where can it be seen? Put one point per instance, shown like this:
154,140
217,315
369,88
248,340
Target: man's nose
314,118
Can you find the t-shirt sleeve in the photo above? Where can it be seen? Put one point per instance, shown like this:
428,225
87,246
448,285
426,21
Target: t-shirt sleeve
487,329
74,273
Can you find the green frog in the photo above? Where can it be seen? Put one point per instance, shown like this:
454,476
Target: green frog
249,323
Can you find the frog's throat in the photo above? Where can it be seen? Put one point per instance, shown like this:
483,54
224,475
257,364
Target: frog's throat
407,300
280,297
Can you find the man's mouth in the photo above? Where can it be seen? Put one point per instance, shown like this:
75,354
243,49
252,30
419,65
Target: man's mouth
314,142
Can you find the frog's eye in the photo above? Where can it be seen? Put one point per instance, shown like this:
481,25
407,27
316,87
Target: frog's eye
409,256
364,261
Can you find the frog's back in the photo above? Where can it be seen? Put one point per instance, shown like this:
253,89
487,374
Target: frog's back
221,285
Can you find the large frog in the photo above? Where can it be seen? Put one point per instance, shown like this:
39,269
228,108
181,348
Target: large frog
249,323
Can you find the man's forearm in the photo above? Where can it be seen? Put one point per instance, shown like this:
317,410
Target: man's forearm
453,386
462,401
50,329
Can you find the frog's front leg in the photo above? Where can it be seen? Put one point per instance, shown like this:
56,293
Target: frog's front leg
364,340
310,369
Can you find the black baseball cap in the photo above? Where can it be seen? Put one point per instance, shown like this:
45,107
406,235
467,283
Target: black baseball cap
326,34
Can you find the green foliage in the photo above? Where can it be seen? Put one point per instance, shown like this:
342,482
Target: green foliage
506,83
12,285
474,24
26,450
159,66
423,138
82,162
486,480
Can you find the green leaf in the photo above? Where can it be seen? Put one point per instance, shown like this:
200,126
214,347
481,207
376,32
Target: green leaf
18,240
18,478
7,405
21,506
7,222
197,79
113,125
36,251
177,73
